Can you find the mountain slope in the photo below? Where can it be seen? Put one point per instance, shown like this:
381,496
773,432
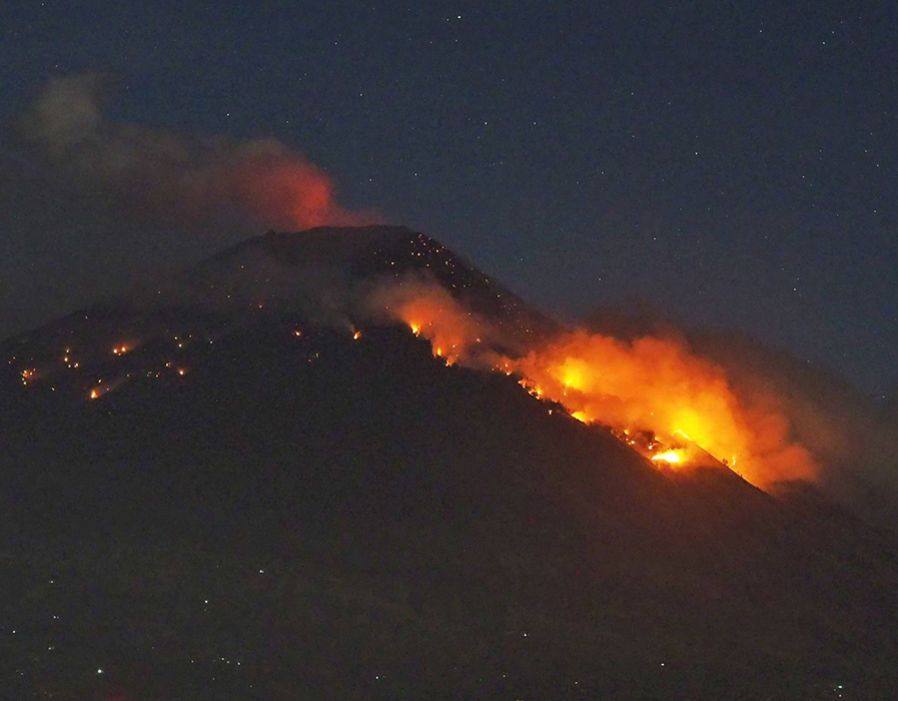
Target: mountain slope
352,518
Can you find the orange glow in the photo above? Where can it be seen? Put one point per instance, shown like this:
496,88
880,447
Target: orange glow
356,335
671,457
431,312
182,372
289,192
655,394
657,385
94,394
297,333
120,350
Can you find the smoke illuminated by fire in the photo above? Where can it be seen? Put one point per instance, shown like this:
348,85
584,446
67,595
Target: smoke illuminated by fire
181,177
655,394
658,385
430,311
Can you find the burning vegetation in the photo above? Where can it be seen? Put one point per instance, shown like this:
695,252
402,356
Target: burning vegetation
654,394
455,333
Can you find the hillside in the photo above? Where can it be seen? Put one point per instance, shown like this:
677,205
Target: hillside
313,515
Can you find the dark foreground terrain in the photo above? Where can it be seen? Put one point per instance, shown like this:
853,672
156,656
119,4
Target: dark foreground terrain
314,517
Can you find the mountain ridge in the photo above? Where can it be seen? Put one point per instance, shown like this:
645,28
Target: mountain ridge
349,516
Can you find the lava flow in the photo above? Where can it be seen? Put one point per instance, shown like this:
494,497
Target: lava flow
654,394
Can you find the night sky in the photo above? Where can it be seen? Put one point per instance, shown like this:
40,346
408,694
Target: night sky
732,165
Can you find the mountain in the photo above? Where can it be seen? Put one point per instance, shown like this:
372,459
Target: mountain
278,492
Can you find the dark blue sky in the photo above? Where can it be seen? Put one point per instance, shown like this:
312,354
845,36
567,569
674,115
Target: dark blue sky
731,164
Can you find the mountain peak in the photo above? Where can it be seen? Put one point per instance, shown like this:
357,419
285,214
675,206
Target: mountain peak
247,446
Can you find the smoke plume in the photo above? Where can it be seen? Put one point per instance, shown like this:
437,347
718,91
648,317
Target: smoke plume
187,179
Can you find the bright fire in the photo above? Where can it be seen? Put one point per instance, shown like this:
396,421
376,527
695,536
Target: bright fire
669,456
431,312
655,394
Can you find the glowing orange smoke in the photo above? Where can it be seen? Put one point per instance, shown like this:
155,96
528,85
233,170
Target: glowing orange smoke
432,312
673,406
658,385
289,192
183,178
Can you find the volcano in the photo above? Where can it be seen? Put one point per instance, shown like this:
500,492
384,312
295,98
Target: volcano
252,480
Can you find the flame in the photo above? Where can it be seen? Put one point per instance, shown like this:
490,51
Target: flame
658,385
430,311
121,350
356,335
657,396
671,457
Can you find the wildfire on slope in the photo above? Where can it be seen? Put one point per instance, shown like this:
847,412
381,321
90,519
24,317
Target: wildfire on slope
455,334
654,394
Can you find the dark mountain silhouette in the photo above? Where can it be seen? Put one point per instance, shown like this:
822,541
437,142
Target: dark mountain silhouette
302,514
